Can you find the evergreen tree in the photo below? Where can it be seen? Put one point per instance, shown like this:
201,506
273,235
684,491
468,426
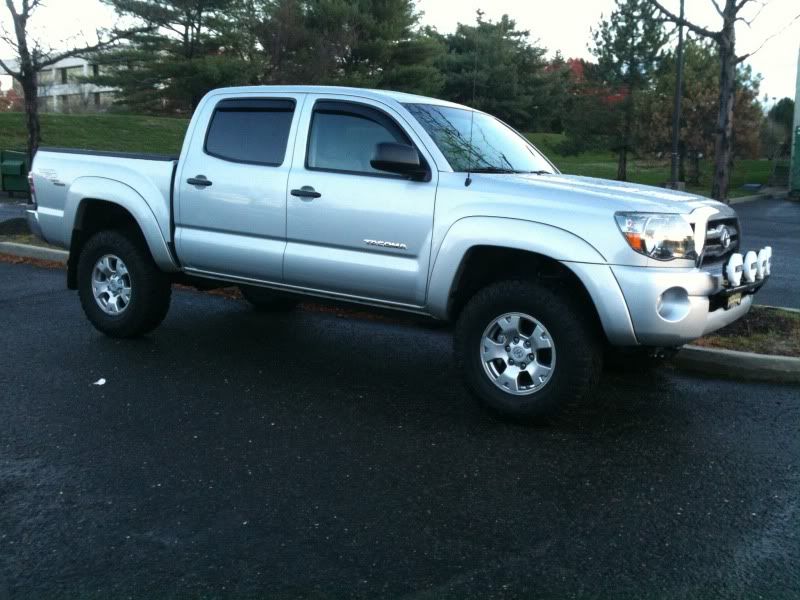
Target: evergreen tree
181,56
628,46
493,67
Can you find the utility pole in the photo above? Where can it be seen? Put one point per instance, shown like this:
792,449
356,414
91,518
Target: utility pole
676,112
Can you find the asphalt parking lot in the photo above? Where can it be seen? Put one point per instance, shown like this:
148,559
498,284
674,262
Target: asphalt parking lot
776,223
309,455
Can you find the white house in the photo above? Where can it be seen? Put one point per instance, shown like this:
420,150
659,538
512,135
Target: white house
61,88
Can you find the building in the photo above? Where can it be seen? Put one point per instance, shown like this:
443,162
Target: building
62,89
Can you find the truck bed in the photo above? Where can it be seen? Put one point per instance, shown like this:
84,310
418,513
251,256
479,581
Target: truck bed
64,176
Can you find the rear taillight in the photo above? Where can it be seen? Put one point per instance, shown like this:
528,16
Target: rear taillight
32,189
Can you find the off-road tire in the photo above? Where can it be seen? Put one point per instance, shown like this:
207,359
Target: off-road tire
576,337
266,300
150,287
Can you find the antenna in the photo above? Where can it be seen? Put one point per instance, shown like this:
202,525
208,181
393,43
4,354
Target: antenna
468,181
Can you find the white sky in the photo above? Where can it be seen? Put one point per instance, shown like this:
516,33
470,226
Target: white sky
558,25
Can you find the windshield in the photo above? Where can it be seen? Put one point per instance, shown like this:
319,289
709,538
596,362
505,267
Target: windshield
495,148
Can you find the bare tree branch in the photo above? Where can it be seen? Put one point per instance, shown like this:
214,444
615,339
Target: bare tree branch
9,71
691,26
719,10
744,57
116,37
749,22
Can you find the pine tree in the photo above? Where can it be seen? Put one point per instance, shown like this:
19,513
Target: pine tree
628,46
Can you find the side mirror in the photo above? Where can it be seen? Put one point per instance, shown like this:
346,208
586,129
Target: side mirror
400,159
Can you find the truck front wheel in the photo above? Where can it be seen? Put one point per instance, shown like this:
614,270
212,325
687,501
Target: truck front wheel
526,350
123,292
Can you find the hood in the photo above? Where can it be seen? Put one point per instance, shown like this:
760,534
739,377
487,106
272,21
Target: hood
602,193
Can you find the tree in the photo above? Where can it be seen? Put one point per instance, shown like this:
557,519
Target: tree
10,101
32,57
783,113
592,113
725,39
493,67
361,42
700,97
175,57
627,46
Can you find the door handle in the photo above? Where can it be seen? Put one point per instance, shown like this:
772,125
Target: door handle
199,181
306,192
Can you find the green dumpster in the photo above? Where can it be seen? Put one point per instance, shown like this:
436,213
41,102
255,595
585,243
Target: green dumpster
14,172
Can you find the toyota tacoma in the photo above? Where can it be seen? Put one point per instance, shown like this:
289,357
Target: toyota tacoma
407,203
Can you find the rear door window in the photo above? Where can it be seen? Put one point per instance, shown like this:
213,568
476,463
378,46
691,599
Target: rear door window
250,131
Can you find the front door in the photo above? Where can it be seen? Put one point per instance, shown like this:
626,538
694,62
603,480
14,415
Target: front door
231,213
352,229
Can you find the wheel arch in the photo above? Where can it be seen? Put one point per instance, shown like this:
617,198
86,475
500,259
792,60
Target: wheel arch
94,204
480,250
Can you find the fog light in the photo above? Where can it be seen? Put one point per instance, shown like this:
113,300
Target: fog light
768,265
750,267
673,305
734,270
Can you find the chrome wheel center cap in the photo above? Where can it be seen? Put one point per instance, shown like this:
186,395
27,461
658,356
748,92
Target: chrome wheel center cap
518,353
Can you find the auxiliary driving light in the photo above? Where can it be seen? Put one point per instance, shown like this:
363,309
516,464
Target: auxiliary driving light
750,268
734,269
761,270
768,267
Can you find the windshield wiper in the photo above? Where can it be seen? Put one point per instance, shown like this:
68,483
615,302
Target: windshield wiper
494,170
512,171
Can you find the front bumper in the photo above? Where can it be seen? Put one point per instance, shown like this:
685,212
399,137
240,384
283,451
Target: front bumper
670,306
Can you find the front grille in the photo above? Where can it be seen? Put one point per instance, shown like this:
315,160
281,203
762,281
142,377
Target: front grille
714,250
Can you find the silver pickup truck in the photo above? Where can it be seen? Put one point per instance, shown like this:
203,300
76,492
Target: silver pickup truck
401,202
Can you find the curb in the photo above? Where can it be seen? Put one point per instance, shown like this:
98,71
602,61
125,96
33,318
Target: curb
762,196
739,365
29,251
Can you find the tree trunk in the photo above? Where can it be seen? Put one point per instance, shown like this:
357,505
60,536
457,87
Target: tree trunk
723,142
622,164
31,95
694,169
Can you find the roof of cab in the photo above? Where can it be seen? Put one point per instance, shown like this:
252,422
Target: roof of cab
374,94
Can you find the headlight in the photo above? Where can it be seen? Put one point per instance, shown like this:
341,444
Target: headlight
656,235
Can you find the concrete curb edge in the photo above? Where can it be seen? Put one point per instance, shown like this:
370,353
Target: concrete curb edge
739,365
30,251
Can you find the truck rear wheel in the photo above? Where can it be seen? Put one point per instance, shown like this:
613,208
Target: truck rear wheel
122,291
266,300
525,350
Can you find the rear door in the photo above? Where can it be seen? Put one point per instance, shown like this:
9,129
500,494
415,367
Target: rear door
231,187
352,229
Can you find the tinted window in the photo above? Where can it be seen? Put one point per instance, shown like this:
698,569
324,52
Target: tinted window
343,137
250,131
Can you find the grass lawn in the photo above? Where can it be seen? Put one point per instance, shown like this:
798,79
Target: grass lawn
647,171
133,133
763,331
122,133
